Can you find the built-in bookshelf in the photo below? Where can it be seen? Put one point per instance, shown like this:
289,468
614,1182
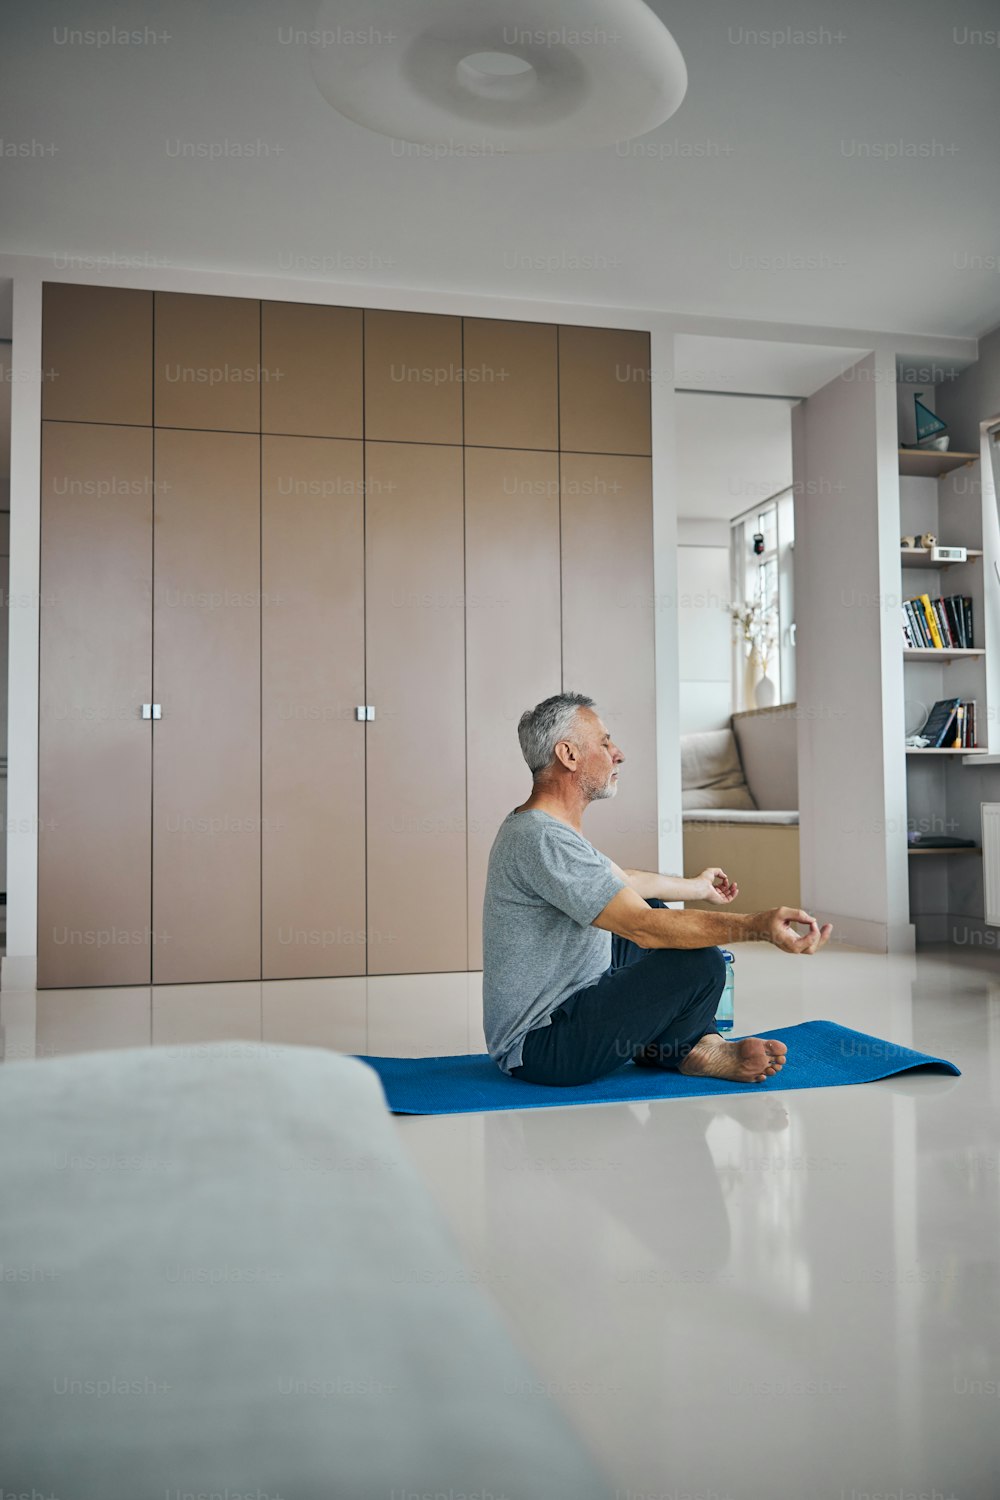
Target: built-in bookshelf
930,463
941,653
924,853
940,493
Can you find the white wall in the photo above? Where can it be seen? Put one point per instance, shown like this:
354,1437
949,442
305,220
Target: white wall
702,531
23,618
4,633
786,591
5,384
852,782
5,387
704,636
973,397
733,452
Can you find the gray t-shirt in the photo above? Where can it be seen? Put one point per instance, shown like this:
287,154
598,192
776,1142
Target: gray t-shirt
544,887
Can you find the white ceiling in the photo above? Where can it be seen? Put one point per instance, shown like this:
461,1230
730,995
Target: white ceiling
731,454
758,366
761,162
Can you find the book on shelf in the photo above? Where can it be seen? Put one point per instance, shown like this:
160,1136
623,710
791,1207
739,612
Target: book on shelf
932,624
938,841
950,725
916,631
943,624
955,618
944,628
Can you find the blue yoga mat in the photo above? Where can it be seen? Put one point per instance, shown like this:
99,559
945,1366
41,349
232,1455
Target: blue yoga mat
821,1054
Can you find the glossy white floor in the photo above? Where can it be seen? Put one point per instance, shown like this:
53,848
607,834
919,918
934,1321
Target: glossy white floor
793,1295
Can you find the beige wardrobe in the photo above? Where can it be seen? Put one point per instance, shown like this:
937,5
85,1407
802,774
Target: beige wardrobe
302,568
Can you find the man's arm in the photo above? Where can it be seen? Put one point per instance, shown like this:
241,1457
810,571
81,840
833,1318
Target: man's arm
711,885
628,915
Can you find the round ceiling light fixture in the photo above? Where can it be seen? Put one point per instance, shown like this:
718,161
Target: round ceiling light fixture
534,75
497,75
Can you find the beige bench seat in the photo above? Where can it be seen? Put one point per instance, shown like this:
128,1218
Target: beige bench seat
740,806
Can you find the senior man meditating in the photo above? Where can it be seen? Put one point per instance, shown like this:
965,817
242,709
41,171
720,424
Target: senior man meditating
584,967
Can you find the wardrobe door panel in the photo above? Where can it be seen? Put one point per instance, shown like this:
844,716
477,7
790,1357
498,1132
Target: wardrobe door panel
94,748
313,678
206,677
207,362
414,608
604,390
97,354
513,636
413,385
511,386
607,604
311,370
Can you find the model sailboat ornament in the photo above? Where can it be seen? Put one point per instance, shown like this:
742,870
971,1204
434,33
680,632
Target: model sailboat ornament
929,427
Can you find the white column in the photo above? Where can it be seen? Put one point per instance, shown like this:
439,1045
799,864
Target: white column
18,970
668,756
849,668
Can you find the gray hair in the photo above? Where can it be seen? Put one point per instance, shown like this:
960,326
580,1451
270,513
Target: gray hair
541,728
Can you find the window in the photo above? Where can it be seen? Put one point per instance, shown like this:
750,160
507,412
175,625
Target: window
763,579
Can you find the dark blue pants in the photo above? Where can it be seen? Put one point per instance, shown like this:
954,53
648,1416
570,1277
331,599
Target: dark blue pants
650,1007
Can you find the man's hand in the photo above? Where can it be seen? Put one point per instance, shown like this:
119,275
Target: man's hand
713,885
780,930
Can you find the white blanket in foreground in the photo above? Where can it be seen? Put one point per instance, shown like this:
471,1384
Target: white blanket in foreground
221,1275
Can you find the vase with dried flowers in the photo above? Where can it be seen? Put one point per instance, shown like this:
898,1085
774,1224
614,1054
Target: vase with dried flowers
755,623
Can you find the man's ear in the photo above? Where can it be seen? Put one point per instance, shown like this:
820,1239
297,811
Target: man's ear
566,754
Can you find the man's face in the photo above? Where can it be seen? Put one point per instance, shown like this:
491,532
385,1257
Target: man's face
600,757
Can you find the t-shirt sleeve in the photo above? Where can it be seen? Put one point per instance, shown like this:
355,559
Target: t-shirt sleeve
571,874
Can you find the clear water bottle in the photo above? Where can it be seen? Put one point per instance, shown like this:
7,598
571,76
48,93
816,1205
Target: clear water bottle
724,1014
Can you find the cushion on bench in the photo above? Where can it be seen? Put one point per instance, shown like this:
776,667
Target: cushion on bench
768,745
711,774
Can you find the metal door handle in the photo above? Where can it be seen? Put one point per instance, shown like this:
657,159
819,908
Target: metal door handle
364,712
151,711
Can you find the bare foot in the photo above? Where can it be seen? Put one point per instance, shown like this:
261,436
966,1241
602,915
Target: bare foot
750,1060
